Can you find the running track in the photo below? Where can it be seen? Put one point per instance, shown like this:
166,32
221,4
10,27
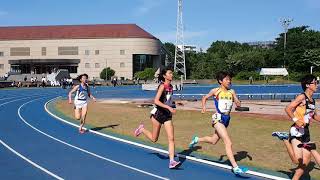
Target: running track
35,145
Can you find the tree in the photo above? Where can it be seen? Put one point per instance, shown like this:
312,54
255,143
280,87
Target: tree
148,73
224,49
245,61
203,65
273,58
311,57
299,41
302,51
110,73
170,47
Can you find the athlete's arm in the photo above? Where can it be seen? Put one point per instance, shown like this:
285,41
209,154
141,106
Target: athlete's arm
159,103
236,100
90,95
93,98
316,117
293,105
74,89
206,97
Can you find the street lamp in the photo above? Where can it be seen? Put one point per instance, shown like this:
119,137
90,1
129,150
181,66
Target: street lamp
285,22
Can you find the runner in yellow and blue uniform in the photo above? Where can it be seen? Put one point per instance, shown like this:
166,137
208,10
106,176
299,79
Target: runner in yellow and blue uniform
223,100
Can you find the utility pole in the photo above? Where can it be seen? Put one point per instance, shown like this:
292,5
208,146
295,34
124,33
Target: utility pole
179,58
285,22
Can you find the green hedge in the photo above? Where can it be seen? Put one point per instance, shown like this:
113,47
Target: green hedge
296,76
148,73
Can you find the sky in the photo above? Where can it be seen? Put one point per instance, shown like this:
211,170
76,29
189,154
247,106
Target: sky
205,21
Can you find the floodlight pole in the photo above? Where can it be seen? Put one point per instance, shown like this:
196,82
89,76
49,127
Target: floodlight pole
179,57
285,22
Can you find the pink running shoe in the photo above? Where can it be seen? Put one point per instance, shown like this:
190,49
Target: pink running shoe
138,131
174,164
82,131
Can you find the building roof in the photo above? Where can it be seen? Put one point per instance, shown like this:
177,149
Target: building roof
97,31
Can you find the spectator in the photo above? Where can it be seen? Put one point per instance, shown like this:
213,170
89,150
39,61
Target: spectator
114,82
70,82
13,84
43,81
250,80
64,83
6,75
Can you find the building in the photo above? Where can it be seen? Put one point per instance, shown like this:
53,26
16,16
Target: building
262,44
188,48
125,48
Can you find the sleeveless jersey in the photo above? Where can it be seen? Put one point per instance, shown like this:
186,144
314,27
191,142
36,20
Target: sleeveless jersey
305,111
82,93
223,101
166,96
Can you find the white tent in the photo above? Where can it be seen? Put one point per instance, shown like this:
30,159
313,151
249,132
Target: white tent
274,72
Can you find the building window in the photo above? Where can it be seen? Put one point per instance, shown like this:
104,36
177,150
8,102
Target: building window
87,65
43,51
142,61
68,50
20,51
73,69
97,65
122,52
86,52
1,53
1,66
97,52
122,65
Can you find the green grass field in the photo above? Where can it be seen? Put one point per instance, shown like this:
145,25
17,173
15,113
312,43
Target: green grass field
251,135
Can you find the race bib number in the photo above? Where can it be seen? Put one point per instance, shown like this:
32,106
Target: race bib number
216,117
225,105
297,131
153,111
168,97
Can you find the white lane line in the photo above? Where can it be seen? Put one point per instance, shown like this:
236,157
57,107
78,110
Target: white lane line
17,100
161,150
9,97
20,97
23,157
83,150
31,162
